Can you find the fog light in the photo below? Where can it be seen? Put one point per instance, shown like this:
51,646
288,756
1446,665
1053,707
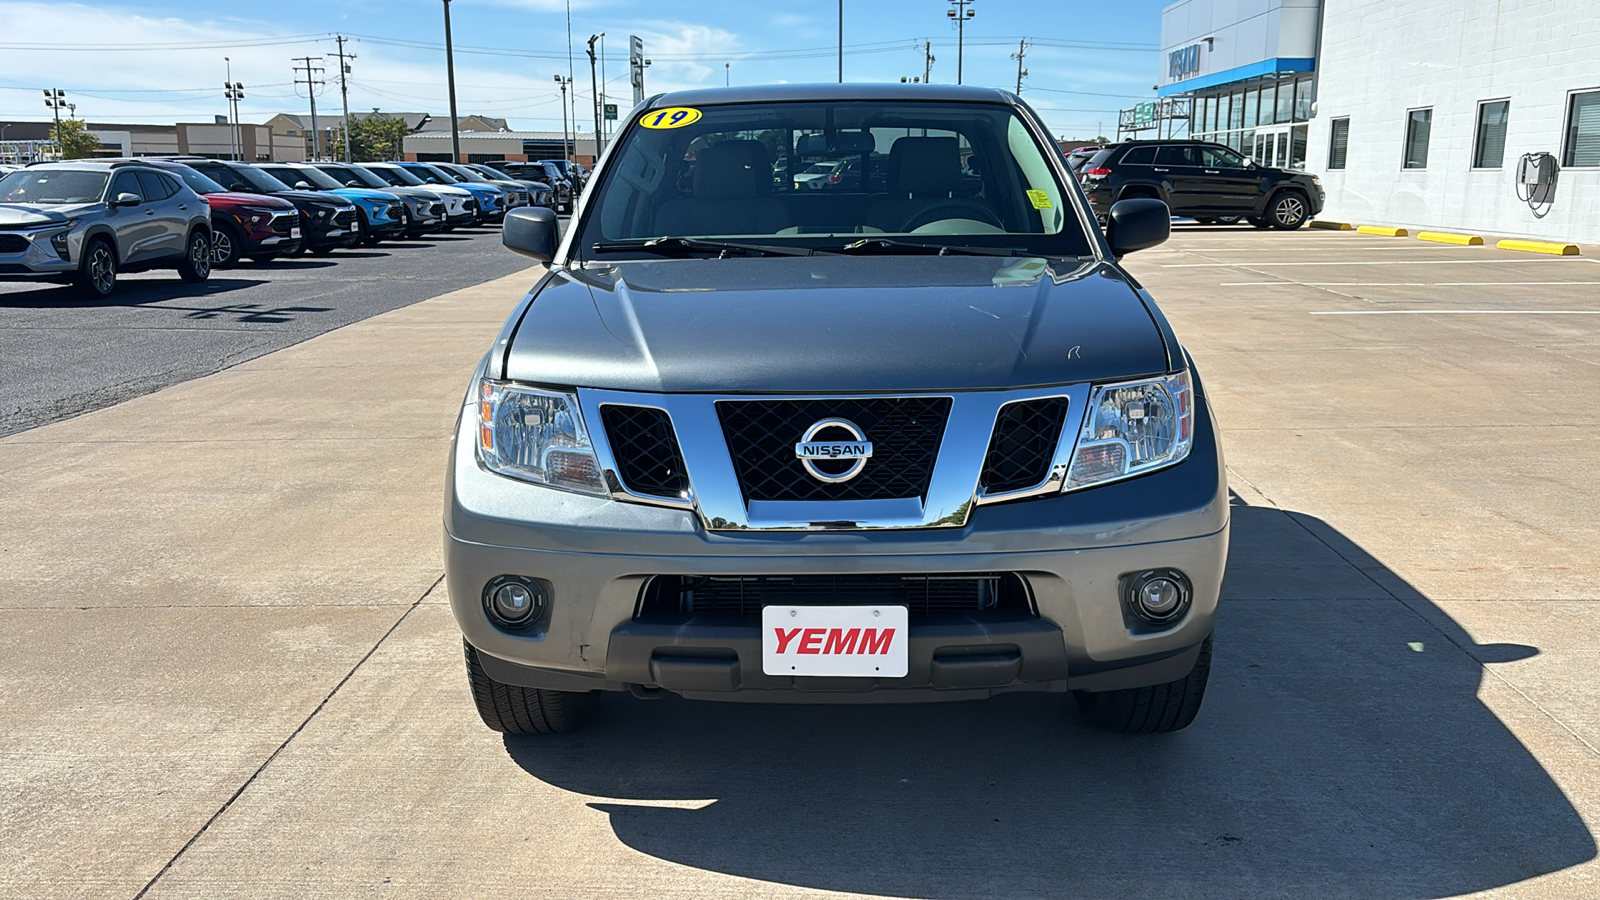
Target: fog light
1159,596
513,602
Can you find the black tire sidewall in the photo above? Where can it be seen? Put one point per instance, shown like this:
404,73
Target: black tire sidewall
188,269
1281,196
85,281
232,235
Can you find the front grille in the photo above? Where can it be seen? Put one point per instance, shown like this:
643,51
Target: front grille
283,222
13,243
1024,444
343,218
470,205
396,210
745,595
646,450
904,431
436,210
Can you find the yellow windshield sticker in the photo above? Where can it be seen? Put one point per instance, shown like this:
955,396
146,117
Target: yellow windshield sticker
676,117
1039,199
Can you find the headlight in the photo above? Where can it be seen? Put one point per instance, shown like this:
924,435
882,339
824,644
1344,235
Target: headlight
536,436
1133,428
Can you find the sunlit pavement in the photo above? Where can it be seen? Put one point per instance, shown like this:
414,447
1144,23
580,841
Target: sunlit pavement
230,672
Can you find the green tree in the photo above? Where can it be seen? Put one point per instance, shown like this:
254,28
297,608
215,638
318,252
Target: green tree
372,139
75,140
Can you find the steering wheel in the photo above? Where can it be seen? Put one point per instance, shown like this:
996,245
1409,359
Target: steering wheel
967,209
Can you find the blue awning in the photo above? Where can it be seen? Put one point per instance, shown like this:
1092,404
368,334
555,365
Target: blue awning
1238,73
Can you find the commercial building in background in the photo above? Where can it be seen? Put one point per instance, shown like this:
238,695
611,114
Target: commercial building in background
491,146
1428,110
1248,70
30,141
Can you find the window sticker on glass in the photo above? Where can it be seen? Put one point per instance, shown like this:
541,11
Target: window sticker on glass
675,117
1039,199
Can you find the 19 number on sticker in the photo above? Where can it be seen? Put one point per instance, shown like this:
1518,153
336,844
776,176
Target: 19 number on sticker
675,117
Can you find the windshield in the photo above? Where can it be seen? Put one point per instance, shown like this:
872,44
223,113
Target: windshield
293,175
238,177
463,173
197,182
429,174
52,186
956,175
396,175
353,176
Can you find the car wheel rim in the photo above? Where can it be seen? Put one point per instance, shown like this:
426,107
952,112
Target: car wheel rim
221,248
102,270
200,255
1290,209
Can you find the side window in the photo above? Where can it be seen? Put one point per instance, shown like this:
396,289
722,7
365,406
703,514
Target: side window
1140,156
1182,155
1339,143
154,187
125,183
1220,158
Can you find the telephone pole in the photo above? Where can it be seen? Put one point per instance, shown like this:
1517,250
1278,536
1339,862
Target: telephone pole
927,62
841,41
1022,50
311,82
450,74
594,89
961,14
344,91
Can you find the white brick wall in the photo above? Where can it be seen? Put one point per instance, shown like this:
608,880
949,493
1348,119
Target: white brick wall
1383,57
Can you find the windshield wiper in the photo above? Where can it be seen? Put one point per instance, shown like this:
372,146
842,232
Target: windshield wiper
889,246
682,247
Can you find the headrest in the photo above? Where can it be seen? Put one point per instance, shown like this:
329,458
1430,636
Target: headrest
732,170
925,165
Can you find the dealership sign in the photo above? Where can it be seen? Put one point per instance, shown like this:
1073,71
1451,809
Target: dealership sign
1183,63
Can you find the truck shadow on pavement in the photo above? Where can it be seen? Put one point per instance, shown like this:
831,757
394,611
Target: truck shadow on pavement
1342,751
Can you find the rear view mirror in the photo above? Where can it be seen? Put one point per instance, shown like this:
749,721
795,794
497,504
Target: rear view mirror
127,199
531,232
843,143
1137,225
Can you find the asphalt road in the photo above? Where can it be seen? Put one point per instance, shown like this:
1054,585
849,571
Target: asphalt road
61,356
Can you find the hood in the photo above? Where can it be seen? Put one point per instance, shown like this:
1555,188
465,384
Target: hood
835,324
444,190
370,194
314,198
27,215
234,198
414,192
478,190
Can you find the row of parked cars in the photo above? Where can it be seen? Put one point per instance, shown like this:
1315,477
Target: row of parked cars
82,222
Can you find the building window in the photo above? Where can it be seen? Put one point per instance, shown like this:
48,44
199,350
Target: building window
1286,101
292,133
1583,130
1418,123
1489,150
1339,144
1236,114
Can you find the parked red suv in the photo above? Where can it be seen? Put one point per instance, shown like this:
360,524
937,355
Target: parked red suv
256,226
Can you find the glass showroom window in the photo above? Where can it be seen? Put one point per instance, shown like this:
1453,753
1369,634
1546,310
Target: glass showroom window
1583,130
1339,143
1418,123
1489,149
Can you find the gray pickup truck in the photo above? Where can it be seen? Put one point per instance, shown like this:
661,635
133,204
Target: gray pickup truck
914,436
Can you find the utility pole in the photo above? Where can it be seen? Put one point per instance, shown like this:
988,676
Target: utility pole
1022,50
566,135
311,82
573,99
727,74
927,62
961,14
450,74
344,90
594,89
636,64
841,41
603,78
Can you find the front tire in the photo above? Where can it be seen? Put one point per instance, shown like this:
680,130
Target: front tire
196,264
226,247
97,271
513,709
1289,210
1156,709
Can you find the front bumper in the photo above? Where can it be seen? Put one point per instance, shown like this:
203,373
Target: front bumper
27,255
1071,550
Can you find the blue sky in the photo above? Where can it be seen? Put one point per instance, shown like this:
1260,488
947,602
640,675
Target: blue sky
163,60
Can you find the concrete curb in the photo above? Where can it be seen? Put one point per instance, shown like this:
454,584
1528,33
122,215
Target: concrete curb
1331,226
1446,237
1551,247
1384,230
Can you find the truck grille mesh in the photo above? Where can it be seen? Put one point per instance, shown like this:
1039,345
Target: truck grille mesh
905,433
744,595
1023,444
646,450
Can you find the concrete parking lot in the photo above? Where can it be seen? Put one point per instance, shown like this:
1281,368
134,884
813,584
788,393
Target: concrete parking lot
229,669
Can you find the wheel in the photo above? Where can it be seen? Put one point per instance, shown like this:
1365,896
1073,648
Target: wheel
1204,220
1228,220
226,247
1150,710
1288,210
513,709
196,264
97,271
1258,222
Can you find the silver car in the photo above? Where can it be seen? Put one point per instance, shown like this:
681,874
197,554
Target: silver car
917,439
84,222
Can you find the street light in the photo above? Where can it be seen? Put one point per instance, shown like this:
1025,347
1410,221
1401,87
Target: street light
961,14
56,100
450,73
565,83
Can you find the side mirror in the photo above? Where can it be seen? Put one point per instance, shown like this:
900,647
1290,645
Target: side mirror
531,232
1137,225
302,186
127,199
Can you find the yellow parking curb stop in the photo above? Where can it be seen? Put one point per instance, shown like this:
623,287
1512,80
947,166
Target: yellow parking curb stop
1445,237
1332,226
1384,230
1540,247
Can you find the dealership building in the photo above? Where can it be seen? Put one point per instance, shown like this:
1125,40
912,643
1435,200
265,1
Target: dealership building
1467,115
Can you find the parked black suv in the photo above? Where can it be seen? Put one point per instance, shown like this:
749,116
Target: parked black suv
1205,181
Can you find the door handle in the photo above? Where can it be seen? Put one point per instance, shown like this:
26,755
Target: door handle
1213,172
1163,170
183,206
149,212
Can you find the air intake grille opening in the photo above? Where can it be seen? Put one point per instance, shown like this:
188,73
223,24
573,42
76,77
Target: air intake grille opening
905,433
743,596
1024,444
646,450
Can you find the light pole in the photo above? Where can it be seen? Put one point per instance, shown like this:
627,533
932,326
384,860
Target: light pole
450,74
566,143
594,90
841,41
727,74
57,101
961,14
233,91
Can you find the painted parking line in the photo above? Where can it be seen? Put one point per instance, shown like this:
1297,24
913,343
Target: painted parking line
1554,260
1458,312
1406,283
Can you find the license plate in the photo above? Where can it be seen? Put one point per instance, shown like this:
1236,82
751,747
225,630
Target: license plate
851,641
355,226
294,232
